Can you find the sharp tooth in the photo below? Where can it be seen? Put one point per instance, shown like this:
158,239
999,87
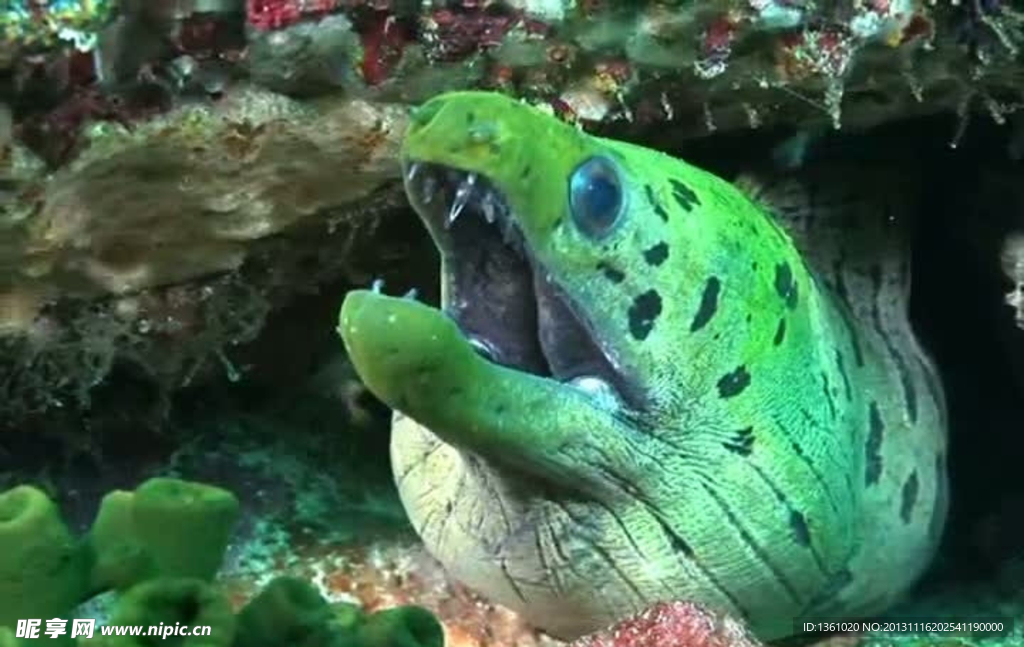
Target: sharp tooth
377,285
411,294
429,188
414,168
462,195
457,207
487,206
482,348
506,230
500,209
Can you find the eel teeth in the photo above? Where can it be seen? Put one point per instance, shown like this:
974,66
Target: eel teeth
494,209
482,348
487,206
506,231
462,196
429,188
377,287
413,171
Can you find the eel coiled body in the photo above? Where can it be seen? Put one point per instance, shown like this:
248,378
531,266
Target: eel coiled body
640,389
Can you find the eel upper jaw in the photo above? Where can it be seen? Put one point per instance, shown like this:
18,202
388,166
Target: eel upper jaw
502,299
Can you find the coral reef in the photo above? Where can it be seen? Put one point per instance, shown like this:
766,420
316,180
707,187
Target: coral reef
182,196
684,623
31,25
715,64
164,245
678,623
141,168
160,547
307,58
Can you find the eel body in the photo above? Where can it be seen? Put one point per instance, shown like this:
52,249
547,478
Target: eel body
646,385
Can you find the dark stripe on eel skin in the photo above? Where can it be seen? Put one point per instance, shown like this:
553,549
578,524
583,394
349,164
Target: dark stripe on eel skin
785,285
643,313
797,520
681,547
655,205
873,447
657,254
612,274
780,332
708,304
732,384
907,382
908,497
841,366
742,442
759,552
684,195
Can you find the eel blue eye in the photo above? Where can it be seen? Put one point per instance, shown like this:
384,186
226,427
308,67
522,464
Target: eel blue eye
595,196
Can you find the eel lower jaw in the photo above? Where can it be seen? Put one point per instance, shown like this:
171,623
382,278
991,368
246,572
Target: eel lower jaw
415,359
502,299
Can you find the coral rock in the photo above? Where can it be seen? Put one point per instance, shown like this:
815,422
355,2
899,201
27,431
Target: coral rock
672,624
307,58
275,14
182,196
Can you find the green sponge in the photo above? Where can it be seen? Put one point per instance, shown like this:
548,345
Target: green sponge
287,612
170,602
166,527
43,569
7,638
120,560
407,626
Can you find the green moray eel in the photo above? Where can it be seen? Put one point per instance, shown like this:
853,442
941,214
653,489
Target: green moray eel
639,388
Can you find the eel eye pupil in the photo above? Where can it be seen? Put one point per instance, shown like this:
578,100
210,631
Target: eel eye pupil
595,196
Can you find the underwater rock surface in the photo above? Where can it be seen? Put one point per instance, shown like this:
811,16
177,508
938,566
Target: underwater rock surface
189,193
166,242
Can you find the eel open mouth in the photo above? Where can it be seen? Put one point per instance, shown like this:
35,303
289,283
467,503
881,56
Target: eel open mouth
501,298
